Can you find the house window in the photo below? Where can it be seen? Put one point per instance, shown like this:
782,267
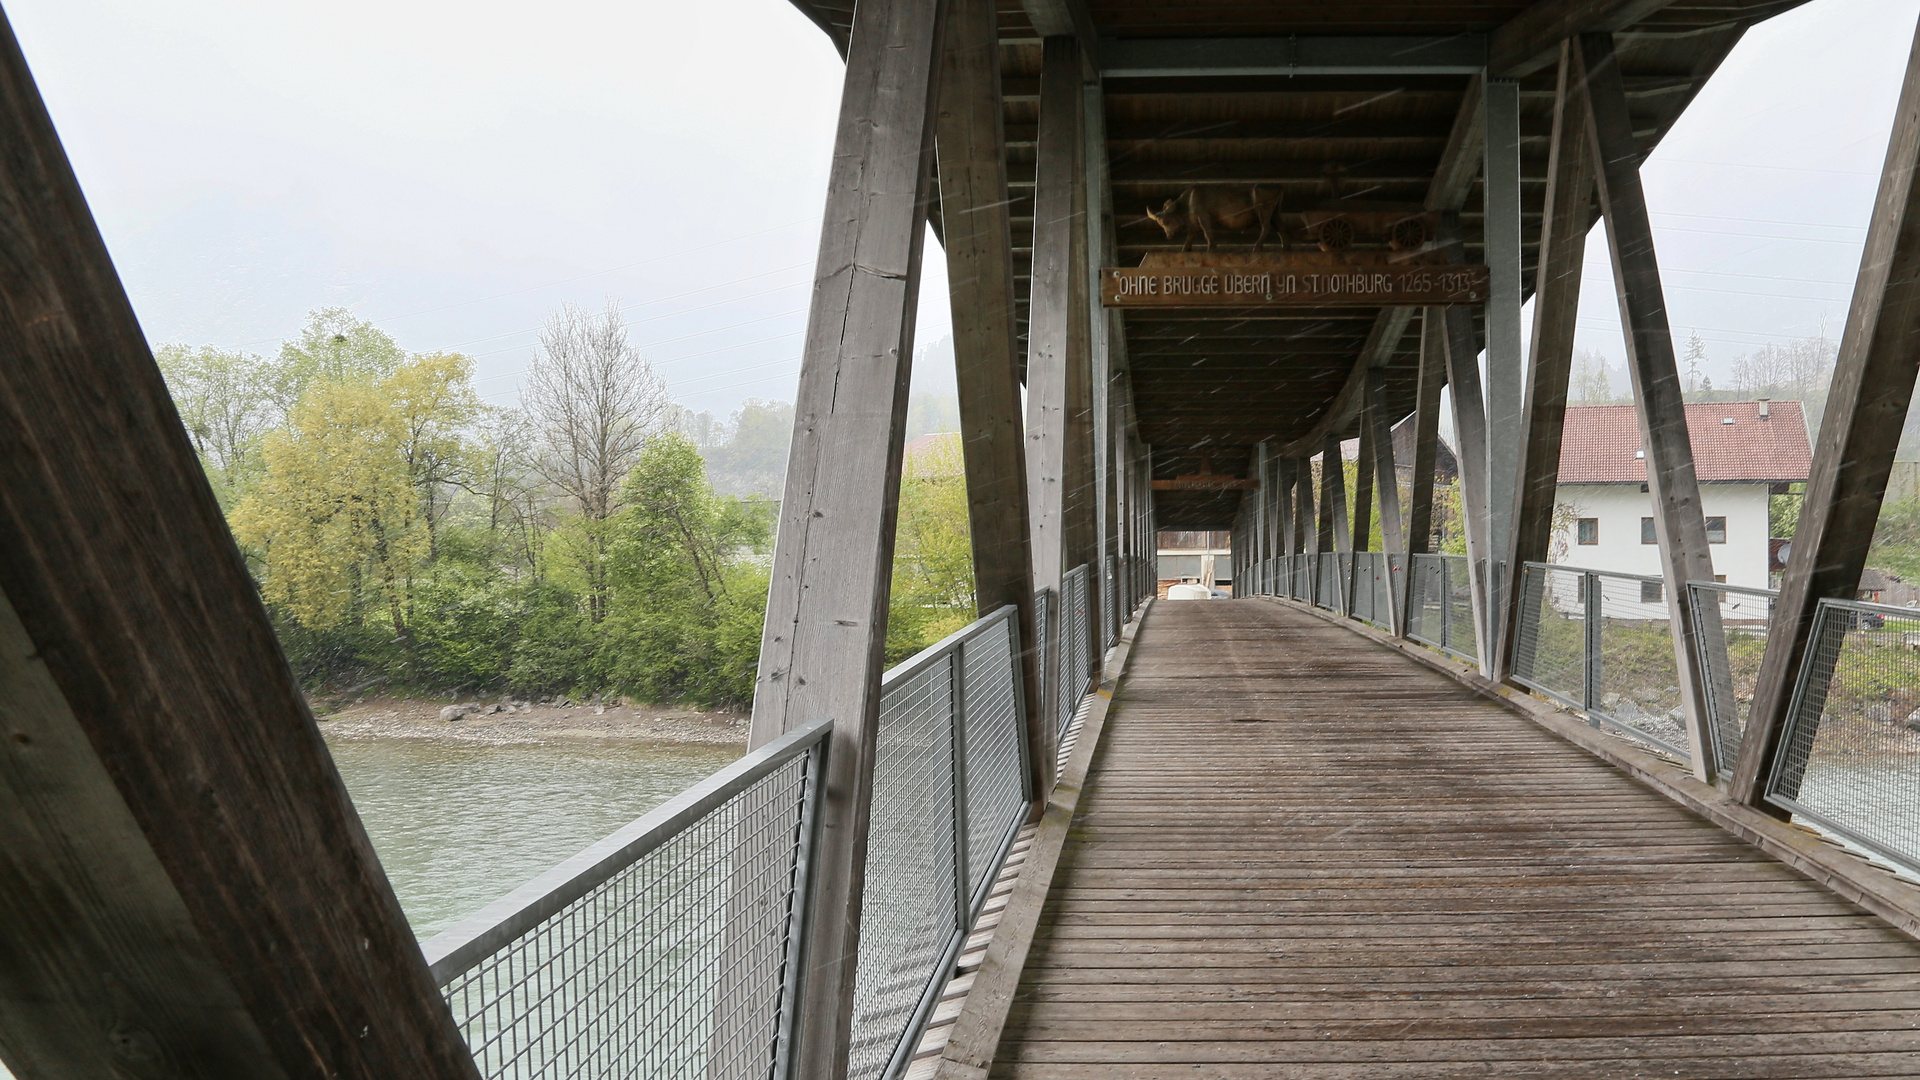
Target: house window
1588,530
1650,592
1646,532
1716,530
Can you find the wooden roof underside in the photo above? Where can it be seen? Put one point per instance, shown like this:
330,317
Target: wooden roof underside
1212,385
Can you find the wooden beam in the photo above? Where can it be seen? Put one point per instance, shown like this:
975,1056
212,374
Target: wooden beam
1678,521
1296,54
186,888
1461,161
1306,537
824,644
1563,243
1505,370
1051,338
1336,534
1393,537
1530,41
979,248
1872,388
1067,18
1470,445
1426,433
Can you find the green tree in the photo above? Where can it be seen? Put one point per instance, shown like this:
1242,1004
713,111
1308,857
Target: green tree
685,566
334,346
225,402
932,592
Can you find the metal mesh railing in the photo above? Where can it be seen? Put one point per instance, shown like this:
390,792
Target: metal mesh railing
1372,591
1076,653
1440,610
1850,752
667,950
1601,642
1730,662
1326,581
664,950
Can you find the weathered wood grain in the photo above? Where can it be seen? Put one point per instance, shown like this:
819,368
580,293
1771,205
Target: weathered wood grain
824,644
1301,856
185,886
1867,406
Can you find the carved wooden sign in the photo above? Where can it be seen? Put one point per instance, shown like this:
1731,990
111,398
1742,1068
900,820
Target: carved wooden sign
1310,279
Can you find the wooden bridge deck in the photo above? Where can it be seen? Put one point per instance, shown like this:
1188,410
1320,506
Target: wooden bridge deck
1304,856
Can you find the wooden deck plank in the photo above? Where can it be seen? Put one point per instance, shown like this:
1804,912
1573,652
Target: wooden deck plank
1299,855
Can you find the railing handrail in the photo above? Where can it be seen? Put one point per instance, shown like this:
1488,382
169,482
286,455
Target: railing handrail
1871,607
1745,590
1602,573
455,950
945,647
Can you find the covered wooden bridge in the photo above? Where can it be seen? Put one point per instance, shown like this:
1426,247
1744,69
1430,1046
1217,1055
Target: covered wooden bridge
1393,813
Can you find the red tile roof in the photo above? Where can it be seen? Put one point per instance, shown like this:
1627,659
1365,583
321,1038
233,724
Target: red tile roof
1599,442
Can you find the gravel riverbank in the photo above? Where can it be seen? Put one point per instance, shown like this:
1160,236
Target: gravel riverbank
495,723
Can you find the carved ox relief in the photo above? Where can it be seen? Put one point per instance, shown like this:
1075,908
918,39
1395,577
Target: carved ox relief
1203,211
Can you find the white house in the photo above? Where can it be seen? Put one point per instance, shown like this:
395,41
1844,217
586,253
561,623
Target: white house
1742,452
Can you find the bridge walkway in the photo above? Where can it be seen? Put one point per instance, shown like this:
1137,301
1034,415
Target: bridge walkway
1301,855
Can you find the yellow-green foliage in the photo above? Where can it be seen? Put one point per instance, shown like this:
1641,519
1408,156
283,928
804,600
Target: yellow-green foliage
336,511
933,553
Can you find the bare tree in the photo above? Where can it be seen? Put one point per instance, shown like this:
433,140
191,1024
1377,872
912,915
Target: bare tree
594,401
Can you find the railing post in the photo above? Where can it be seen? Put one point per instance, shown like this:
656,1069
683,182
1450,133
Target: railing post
1590,669
957,711
792,984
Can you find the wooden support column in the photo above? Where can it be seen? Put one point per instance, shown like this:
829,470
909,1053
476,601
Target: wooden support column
1361,510
1470,431
1426,442
1097,248
979,246
1677,517
1306,533
1052,476
1873,384
185,887
1393,539
1287,472
1426,433
1500,104
823,649
1556,291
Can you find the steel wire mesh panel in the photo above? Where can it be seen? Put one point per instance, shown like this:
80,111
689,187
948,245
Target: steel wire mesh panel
1639,681
1850,756
672,967
1109,624
1550,642
1731,666
1075,653
996,790
1461,641
1426,612
1327,580
907,917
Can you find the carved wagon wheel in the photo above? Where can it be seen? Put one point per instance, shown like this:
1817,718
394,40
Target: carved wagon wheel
1408,234
1336,234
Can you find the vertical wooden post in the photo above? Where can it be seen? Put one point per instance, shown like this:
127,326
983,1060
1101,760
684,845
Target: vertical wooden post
979,244
188,890
1095,252
1393,539
1873,383
1306,533
823,648
1470,429
1500,105
1051,475
1556,291
1360,512
1426,434
1678,521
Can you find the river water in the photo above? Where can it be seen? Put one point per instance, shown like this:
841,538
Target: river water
459,825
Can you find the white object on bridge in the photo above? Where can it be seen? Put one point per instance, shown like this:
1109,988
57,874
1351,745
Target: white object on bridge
1189,592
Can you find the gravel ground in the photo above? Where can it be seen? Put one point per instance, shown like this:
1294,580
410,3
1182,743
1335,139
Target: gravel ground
520,722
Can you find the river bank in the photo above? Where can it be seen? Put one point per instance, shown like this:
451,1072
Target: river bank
509,723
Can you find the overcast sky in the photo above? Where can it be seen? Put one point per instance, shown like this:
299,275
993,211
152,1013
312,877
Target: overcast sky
452,172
